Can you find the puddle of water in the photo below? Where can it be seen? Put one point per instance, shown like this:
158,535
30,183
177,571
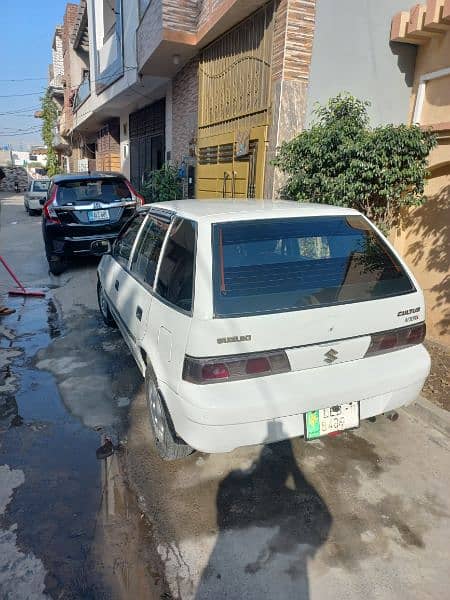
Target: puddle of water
56,509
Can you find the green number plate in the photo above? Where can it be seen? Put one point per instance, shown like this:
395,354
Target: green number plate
329,420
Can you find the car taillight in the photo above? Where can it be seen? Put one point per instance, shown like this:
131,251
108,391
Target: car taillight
140,200
387,341
49,210
215,371
234,368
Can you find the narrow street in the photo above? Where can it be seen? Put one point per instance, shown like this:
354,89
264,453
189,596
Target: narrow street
362,515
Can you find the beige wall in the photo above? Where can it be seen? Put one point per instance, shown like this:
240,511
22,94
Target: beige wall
424,242
424,238
432,56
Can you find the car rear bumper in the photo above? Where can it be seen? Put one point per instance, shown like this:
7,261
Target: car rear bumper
73,246
34,204
271,408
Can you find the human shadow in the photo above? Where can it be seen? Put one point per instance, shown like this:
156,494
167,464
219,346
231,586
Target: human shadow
271,520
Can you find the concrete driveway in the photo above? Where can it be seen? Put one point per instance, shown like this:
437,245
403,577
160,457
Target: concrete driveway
362,515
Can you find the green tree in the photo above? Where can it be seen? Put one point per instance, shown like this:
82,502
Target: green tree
342,161
49,118
162,185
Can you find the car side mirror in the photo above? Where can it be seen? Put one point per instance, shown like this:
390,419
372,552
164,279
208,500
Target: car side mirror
101,247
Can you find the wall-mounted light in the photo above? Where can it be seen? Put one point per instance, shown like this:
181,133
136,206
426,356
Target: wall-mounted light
176,59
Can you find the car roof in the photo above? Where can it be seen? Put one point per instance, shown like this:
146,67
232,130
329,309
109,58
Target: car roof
83,176
243,209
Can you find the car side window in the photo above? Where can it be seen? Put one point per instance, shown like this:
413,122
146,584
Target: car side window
176,273
124,243
146,256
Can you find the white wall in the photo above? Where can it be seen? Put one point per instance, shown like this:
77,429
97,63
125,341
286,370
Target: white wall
352,53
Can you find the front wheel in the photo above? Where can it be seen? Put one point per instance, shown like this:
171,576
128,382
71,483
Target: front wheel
168,444
104,306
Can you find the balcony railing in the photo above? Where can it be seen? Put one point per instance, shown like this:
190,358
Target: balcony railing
82,94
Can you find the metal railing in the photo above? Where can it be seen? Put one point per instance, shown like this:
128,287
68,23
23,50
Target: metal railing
83,92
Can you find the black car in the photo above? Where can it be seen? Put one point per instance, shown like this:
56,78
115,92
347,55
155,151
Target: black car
84,208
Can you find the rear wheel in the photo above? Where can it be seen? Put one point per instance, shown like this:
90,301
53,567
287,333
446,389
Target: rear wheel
56,264
104,306
168,444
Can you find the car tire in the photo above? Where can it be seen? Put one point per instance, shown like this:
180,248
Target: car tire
167,443
104,307
56,264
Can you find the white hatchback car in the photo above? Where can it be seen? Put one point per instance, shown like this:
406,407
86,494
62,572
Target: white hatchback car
35,196
256,321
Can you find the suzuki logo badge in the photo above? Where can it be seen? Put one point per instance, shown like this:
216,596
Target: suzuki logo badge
331,356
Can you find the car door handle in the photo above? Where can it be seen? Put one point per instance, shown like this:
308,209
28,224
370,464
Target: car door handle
138,313
117,284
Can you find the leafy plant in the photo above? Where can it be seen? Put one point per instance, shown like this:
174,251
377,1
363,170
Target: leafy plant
49,118
342,161
163,184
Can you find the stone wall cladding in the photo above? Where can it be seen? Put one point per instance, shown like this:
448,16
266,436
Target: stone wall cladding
70,17
299,39
206,10
184,109
279,38
291,63
57,57
293,39
181,15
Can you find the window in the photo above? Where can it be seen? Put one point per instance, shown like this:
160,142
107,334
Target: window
86,191
142,7
125,241
40,186
146,256
109,18
290,264
176,273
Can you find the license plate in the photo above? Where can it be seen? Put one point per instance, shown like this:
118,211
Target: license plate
328,420
98,215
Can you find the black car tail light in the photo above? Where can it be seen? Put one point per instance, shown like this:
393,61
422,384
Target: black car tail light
387,341
48,208
234,368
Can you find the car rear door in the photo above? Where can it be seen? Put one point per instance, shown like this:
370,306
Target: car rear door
171,310
115,269
136,287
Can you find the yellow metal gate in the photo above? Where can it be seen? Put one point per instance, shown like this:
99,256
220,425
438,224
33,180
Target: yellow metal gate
234,105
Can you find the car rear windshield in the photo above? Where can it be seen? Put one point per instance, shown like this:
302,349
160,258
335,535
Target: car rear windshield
87,191
292,264
40,186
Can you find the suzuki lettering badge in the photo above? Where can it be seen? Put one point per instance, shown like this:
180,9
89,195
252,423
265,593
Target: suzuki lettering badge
331,356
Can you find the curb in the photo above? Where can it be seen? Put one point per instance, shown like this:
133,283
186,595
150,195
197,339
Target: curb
423,409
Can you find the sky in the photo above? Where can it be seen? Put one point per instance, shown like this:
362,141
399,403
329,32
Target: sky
26,37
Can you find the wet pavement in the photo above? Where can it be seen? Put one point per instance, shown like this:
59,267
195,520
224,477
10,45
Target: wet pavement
365,514
69,528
